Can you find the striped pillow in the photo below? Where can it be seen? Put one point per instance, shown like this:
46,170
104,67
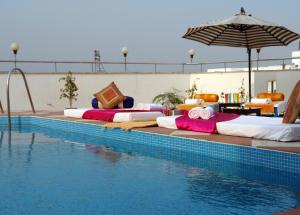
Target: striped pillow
110,96
293,106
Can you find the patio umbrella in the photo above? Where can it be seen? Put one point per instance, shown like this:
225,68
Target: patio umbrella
242,30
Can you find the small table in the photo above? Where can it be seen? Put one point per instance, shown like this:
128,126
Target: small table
223,105
243,111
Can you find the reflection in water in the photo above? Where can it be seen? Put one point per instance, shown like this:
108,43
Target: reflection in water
220,190
1,138
30,148
106,151
10,144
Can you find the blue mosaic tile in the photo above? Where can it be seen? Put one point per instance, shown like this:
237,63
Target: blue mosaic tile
283,161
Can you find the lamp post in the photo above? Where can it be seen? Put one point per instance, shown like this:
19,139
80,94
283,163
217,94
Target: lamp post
15,47
192,53
124,51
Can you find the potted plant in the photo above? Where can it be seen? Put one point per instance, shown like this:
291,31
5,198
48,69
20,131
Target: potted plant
69,89
242,92
191,92
169,99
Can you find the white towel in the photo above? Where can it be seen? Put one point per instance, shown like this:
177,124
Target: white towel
207,113
261,101
149,106
194,113
193,101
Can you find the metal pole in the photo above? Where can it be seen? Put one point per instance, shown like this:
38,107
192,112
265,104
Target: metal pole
1,108
55,67
258,51
125,63
155,68
283,65
249,72
15,54
8,97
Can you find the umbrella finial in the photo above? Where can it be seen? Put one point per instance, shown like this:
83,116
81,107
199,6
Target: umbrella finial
243,12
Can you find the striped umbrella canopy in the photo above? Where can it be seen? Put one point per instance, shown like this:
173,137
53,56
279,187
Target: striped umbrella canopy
242,30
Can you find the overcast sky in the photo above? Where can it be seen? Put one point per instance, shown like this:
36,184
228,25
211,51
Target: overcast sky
152,30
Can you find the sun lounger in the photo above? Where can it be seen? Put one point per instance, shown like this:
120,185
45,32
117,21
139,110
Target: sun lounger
268,128
118,116
270,103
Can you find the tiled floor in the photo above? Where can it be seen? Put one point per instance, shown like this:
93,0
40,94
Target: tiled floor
293,147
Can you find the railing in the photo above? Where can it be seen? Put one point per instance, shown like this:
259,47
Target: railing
149,67
8,95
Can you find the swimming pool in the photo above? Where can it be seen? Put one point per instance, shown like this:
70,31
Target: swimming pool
51,171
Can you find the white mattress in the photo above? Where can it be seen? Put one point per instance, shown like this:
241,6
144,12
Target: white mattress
167,122
75,113
269,128
119,117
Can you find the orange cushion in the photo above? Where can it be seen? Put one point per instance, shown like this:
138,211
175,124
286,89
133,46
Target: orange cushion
273,96
265,108
207,97
293,106
188,107
110,96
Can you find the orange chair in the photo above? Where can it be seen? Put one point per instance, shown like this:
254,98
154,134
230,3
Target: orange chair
209,99
277,100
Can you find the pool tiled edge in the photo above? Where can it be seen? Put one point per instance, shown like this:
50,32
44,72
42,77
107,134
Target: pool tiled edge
282,161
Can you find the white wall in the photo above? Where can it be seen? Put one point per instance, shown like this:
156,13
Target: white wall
45,88
285,80
217,82
143,87
230,82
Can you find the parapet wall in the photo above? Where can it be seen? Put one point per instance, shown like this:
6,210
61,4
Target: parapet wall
45,87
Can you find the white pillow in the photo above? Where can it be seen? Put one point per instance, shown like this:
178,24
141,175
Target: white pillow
194,101
261,101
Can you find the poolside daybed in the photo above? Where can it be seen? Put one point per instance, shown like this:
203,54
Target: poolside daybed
116,115
276,105
269,128
278,129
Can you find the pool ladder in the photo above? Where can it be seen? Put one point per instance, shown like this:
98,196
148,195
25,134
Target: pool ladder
8,97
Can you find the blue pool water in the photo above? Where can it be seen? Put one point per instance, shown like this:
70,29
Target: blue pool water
47,171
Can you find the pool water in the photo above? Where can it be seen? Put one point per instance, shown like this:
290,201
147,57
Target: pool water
45,171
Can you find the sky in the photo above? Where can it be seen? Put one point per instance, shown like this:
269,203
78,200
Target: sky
151,30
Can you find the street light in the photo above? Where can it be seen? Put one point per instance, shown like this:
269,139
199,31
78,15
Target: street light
124,51
192,53
15,47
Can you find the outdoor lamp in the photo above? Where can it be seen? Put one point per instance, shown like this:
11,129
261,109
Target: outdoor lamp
192,53
15,47
124,51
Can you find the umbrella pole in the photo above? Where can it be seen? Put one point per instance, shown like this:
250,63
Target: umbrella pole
249,71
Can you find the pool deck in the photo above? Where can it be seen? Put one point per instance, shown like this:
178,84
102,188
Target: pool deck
292,147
